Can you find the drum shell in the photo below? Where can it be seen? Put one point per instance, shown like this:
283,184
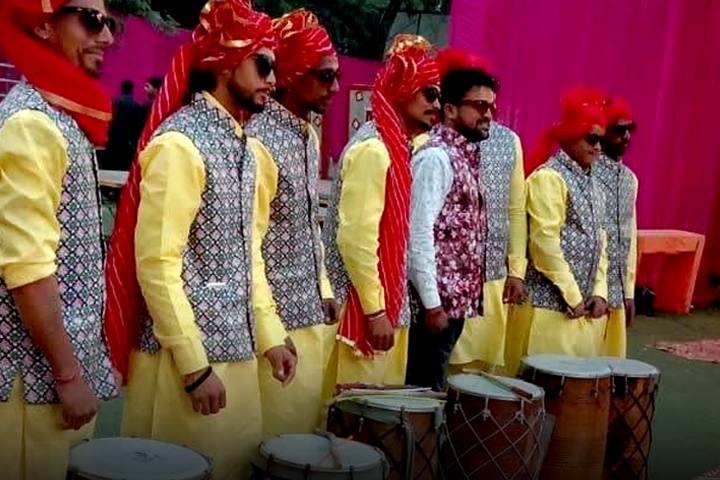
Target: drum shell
581,408
523,423
280,471
393,433
630,427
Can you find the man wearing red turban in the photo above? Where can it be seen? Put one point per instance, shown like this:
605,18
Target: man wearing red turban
620,185
54,364
567,276
369,220
289,277
187,213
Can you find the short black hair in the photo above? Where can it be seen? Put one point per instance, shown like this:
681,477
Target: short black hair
457,83
155,82
202,80
127,87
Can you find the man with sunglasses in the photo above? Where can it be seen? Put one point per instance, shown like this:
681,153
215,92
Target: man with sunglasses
54,364
448,222
289,275
567,275
185,220
620,185
368,221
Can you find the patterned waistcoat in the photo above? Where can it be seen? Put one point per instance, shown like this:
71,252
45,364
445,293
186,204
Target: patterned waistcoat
580,238
292,246
216,263
460,228
79,271
618,184
497,161
335,265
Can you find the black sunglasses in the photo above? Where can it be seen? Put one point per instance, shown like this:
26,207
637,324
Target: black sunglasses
621,130
593,139
264,65
481,106
431,94
93,20
327,76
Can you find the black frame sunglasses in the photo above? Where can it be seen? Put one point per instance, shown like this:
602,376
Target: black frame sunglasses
623,129
481,106
593,139
328,76
93,20
431,94
264,65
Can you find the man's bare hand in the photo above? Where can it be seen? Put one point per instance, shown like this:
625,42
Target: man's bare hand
629,311
79,403
577,311
283,362
515,291
381,334
209,397
596,307
332,311
436,320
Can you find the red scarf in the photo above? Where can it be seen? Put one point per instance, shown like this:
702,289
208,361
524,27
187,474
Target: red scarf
229,32
409,68
62,84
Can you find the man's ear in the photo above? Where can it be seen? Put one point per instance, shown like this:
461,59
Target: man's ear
44,31
450,111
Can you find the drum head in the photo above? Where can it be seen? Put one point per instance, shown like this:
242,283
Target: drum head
572,367
397,403
482,387
627,367
137,459
300,450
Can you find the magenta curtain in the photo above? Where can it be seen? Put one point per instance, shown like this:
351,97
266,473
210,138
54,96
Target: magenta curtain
662,55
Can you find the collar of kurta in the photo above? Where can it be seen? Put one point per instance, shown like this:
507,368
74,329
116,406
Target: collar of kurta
224,113
574,167
285,118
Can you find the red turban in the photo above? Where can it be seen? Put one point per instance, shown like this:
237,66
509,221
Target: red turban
230,31
408,69
453,58
617,109
582,107
303,43
61,83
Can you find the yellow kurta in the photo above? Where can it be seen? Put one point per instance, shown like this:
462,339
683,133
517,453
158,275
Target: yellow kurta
615,344
297,407
173,180
33,163
539,330
360,209
482,342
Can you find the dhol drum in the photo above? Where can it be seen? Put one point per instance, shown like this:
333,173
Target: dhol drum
317,457
494,429
632,407
135,459
577,393
405,428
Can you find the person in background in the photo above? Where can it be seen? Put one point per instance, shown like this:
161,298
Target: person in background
289,278
448,223
184,231
54,363
567,276
620,186
368,221
125,129
152,88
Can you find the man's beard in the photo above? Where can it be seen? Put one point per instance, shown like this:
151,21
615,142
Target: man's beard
244,101
473,135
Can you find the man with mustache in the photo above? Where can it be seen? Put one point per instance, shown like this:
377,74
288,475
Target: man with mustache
620,185
188,206
54,364
368,221
448,223
290,282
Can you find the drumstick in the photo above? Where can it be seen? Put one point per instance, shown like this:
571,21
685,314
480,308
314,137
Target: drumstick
334,451
499,383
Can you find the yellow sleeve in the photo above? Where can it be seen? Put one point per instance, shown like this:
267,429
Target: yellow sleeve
362,201
632,255
518,235
600,285
546,205
173,179
325,287
268,325
33,163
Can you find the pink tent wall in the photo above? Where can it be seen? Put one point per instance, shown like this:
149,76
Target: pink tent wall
140,52
662,55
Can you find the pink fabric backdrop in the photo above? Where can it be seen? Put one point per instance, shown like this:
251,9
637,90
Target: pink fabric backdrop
139,53
662,55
